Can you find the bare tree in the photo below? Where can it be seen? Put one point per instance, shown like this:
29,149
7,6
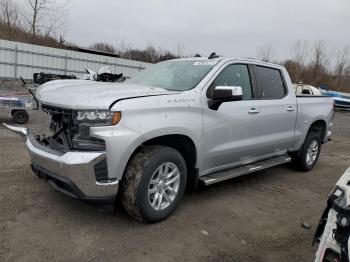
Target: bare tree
299,53
180,49
341,66
121,45
265,52
46,17
294,70
9,15
104,47
319,61
151,53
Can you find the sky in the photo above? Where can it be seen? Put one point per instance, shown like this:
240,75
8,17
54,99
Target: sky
228,27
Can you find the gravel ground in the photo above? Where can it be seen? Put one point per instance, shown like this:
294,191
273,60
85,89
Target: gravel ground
253,218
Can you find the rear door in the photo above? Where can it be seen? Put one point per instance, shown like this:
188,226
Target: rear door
278,111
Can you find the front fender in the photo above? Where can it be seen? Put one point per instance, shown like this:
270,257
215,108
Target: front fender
121,143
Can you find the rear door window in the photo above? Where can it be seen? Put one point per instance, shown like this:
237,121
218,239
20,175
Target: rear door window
270,82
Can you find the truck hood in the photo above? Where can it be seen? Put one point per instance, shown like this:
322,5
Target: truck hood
85,94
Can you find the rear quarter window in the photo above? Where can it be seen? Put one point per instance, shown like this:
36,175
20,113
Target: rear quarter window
270,82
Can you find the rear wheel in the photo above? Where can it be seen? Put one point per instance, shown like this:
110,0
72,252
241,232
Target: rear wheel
154,183
20,116
306,158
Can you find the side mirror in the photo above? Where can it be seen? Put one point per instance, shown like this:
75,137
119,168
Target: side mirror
222,94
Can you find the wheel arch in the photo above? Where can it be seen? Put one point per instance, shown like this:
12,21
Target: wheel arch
319,126
183,144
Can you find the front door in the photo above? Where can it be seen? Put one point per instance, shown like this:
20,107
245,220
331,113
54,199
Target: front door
229,132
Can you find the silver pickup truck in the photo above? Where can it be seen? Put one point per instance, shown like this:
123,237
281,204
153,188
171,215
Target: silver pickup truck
175,124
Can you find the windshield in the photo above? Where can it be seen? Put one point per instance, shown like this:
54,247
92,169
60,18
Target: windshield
173,75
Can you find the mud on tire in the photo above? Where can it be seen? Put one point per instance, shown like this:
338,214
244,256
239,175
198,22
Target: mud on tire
136,182
301,159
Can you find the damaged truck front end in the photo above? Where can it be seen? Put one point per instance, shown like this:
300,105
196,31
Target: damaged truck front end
81,155
69,132
70,159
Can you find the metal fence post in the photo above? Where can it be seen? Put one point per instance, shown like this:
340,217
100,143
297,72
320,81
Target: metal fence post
16,60
65,64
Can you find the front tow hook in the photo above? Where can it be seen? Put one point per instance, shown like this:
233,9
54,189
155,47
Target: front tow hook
22,131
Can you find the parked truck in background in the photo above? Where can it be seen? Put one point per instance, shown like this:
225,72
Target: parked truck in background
177,123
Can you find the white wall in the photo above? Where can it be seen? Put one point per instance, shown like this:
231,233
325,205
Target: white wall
19,59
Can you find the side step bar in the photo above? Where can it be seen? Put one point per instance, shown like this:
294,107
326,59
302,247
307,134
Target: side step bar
243,170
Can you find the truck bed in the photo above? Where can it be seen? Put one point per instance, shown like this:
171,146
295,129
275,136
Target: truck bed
311,109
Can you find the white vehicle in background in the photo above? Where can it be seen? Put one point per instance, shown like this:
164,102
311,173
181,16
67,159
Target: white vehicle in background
303,89
333,231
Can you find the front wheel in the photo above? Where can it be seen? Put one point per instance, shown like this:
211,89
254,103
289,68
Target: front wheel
154,183
305,159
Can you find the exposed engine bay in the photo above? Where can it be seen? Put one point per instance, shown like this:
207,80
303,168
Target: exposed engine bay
68,134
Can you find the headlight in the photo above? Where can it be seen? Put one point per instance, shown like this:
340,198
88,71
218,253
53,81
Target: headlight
98,116
93,115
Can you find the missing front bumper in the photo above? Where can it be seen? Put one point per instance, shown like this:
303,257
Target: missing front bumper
72,173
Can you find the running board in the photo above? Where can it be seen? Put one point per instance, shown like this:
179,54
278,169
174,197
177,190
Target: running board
243,170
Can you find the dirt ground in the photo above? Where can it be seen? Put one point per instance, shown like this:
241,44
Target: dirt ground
253,218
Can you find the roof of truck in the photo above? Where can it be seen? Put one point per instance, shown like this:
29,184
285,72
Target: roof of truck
227,59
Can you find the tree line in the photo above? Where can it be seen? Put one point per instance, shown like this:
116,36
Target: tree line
149,54
44,22
316,64
40,22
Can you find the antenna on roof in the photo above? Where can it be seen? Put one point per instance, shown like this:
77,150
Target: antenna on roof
213,55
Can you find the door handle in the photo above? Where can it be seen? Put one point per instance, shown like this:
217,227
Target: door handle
253,110
290,109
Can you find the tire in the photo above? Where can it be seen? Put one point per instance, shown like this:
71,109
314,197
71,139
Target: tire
20,116
142,184
306,158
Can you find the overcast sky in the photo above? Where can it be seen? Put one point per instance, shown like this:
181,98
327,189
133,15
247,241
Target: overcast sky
229,27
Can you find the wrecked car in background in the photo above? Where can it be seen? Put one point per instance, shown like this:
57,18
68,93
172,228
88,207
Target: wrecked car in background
303,89
17,103
177,123
333,231
104,74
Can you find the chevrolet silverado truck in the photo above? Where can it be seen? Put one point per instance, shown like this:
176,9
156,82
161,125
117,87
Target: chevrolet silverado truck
174,125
